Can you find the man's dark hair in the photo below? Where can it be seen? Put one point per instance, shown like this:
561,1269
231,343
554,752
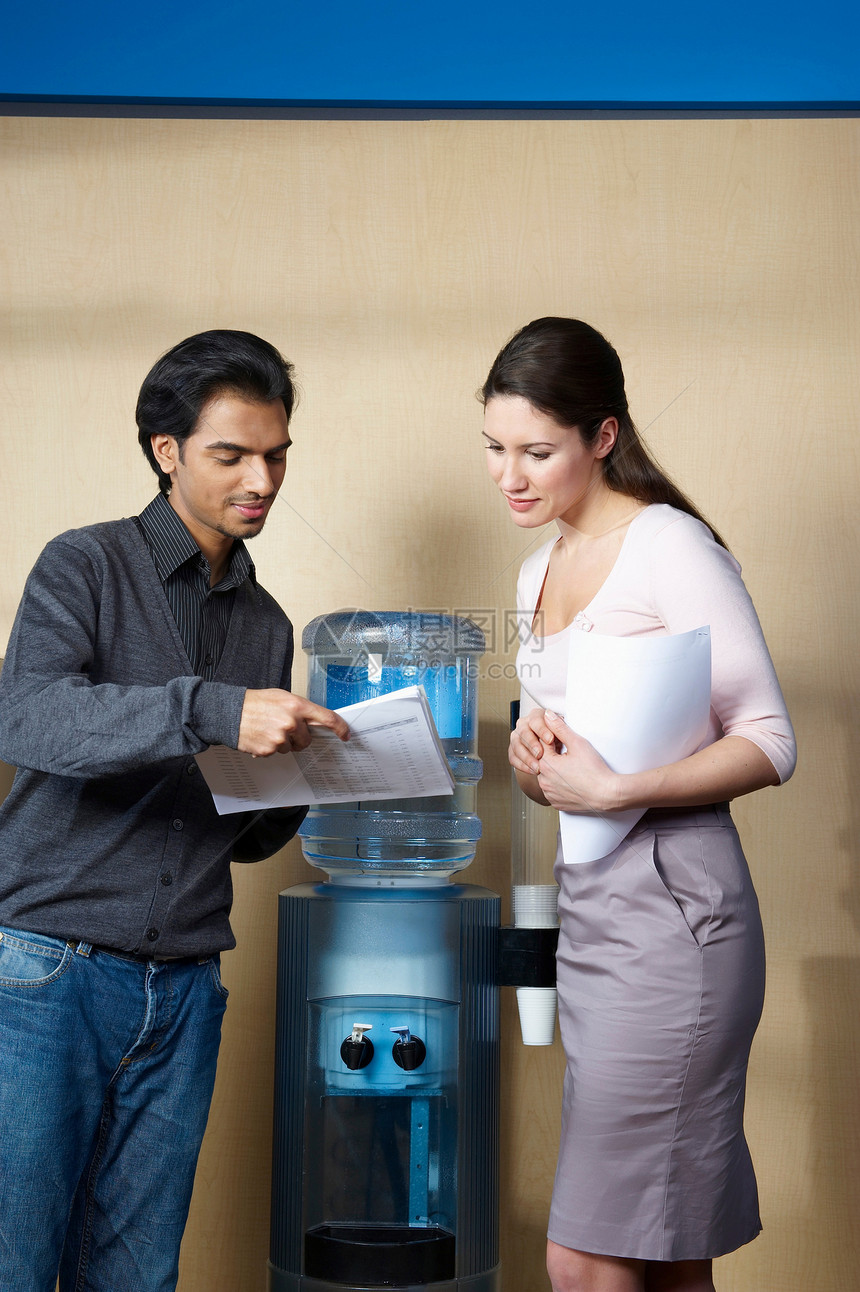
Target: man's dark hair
220,362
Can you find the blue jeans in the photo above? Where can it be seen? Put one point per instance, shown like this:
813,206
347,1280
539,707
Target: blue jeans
106,1072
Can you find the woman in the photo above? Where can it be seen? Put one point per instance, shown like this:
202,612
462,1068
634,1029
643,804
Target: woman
661,958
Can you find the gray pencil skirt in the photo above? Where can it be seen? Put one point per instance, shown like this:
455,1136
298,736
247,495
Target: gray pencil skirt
660,984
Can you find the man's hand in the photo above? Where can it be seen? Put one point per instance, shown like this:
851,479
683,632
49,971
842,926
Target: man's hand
278,722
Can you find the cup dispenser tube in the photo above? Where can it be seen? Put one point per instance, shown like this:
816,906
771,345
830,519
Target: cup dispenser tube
534,904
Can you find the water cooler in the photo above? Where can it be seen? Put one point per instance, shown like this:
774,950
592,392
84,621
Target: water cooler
387,1067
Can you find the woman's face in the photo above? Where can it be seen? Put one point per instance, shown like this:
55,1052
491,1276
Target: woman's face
544,470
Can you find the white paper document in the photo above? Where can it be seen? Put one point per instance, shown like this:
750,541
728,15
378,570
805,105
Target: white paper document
393,752
642,702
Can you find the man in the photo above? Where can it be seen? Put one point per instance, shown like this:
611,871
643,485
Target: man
134,648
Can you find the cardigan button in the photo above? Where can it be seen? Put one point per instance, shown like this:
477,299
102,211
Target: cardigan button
152,935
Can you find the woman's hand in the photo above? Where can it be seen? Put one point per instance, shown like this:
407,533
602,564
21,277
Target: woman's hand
577,780
529,739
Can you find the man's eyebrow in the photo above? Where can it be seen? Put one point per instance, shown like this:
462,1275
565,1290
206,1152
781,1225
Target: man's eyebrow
242,449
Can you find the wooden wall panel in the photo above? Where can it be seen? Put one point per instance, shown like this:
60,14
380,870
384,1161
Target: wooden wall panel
390,261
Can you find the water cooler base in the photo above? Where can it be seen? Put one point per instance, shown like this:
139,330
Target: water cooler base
281,1281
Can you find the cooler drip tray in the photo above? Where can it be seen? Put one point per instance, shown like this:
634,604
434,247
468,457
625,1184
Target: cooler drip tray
379,1255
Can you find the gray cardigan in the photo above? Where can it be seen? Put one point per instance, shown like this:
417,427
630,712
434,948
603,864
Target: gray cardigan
109,834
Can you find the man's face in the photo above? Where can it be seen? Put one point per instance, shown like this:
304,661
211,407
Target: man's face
229,470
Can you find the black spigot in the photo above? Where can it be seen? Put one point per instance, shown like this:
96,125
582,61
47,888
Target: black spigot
357,1050
409,1051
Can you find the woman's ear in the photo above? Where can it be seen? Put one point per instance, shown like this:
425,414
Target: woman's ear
606,437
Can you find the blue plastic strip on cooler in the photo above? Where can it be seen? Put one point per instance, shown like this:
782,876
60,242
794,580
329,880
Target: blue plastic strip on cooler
419,1166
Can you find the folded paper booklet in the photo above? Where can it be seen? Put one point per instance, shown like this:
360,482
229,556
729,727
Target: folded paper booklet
393,752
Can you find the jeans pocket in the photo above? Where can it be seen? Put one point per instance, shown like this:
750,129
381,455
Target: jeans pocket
215,974
32,959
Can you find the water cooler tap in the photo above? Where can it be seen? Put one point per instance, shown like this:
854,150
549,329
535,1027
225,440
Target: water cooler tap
357,1049
409,1051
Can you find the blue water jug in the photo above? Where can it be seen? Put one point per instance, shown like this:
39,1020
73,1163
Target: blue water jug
357,655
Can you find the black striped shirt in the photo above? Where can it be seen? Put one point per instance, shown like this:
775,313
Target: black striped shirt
202,613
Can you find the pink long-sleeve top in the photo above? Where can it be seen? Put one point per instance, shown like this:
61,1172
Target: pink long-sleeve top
670,577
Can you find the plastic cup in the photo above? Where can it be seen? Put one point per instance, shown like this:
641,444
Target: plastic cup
537,1006
535,906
